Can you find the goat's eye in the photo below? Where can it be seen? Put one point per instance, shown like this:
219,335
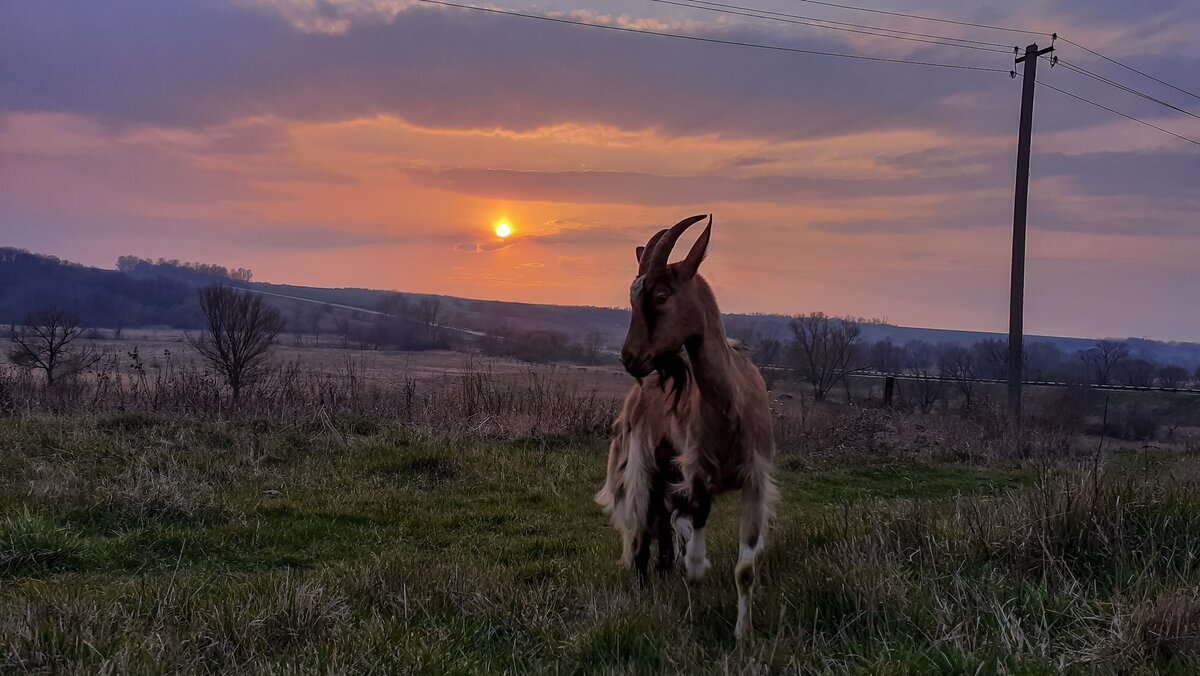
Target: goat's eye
661,297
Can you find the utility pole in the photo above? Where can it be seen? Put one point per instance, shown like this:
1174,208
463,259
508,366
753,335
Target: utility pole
1016,298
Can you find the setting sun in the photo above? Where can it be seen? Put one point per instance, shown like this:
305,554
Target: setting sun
503,230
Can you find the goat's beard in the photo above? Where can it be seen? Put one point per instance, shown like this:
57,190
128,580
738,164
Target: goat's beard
676,368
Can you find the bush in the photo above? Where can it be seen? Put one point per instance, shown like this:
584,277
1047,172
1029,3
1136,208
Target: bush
1129,423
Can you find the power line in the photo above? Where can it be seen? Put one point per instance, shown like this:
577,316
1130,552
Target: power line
715,41
1131,68
847,23
875,31
1117,112
878,31
989,27
1100,78
925,18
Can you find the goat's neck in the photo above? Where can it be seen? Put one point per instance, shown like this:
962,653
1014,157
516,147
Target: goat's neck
712,364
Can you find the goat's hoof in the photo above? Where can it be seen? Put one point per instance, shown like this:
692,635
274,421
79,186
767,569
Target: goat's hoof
743,630
694,571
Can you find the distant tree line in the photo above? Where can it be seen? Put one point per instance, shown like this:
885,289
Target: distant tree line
205,272
543,346
139,293
824,351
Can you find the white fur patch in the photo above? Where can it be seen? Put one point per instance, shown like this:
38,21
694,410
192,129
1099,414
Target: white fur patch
630,515
747,553
695,560
743,618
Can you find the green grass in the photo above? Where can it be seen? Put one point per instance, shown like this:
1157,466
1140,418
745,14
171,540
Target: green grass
135,544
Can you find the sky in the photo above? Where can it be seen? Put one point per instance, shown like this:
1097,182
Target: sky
377,143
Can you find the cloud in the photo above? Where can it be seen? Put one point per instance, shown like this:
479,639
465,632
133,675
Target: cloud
1160,175
132,61
156,62
486,246
632,187
743,161
272,130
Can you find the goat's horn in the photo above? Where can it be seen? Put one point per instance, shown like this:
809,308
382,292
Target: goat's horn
658,258
648,252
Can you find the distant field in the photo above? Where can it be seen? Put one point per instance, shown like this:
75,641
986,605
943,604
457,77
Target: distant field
1177,415
136,543
157,347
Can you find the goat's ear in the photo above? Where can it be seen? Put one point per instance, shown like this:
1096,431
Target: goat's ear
639,251
688,266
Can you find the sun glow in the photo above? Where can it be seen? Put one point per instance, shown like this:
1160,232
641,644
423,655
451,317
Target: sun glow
503,230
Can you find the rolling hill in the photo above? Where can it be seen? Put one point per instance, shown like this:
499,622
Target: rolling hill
143,292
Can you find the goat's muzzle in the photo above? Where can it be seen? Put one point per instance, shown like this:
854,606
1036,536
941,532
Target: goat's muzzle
638,367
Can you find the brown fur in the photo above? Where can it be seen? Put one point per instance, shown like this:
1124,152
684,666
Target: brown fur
701,401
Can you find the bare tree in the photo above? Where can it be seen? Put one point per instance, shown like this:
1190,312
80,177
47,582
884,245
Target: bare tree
886,356
313,320
53,341
926,385
1171,376
429,313
1103,358
824,350
1137,372
991,358
960,365
1043,361
767,349
239,331
593,346
342,324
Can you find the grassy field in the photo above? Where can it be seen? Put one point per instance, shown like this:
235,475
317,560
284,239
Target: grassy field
136,543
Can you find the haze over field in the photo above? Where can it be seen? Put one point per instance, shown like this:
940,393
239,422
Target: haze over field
360,144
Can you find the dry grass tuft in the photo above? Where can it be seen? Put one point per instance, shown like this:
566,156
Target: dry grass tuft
33,545
153,492
1166,629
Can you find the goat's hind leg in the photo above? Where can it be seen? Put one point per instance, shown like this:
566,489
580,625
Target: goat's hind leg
666,540
663,504
641,556
657,527
755,513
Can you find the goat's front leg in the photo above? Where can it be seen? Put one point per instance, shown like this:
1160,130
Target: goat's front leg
689,522
755,512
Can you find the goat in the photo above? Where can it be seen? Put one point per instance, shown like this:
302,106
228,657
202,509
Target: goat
697,423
